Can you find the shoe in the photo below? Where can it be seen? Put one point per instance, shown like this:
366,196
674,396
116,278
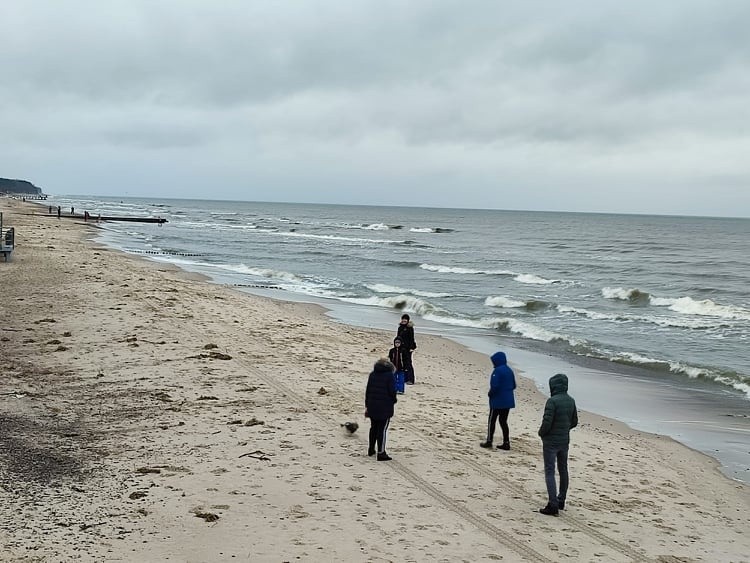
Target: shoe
560,504
384,457
486,445
504,446
549,510
371,452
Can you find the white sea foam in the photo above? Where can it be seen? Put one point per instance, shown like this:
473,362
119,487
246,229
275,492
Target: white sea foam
338,238
533,279
595,315
401,302
383,288
421,230
460,270
371,227
504,302
267,273
527,330
631,294
705,307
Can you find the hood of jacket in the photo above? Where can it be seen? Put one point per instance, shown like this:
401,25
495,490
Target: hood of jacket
383,365
558,383
499,359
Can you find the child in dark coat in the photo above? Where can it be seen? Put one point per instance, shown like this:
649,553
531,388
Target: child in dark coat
396,356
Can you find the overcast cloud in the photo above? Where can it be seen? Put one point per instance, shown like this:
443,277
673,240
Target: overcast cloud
637,107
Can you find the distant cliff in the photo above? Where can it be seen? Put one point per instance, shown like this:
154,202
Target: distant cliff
18,187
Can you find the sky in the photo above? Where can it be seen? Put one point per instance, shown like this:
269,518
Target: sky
593,106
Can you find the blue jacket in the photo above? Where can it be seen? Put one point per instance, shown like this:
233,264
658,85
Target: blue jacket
502,383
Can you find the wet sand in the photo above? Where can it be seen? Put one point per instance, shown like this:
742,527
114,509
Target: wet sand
146,415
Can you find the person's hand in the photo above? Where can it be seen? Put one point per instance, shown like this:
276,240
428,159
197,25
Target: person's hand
367,415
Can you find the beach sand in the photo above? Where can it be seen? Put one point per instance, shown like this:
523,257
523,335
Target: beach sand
147,415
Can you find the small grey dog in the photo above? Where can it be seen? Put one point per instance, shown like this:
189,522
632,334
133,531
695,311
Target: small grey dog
351,427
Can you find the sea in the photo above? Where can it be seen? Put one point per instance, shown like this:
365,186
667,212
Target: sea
648,315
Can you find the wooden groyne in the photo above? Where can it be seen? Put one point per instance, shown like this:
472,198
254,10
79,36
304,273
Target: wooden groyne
90,217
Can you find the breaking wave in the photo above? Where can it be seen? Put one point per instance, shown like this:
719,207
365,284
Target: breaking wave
509,303
682,305
461,270
383,288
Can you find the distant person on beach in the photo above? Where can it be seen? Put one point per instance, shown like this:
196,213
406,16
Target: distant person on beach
380,396
72,210
59,211
502,399
396,356
560,415
406,334
50,210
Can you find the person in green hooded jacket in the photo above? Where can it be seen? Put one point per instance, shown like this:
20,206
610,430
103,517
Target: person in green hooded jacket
560,415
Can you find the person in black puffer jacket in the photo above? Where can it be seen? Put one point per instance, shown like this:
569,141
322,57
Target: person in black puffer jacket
406,334
380,396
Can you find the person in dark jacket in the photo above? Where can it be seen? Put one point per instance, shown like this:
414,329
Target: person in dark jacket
560,415
380,396
406,334
396,356
502,399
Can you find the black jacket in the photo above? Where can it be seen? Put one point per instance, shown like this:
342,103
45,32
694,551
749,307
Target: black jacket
396,356
560,413
406,334
380,395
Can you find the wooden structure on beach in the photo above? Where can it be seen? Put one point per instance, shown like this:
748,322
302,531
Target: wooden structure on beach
7,239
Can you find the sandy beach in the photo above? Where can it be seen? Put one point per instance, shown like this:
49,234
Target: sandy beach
147,415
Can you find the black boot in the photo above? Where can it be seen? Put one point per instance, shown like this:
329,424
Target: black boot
504,446
487,444
382,456
549,510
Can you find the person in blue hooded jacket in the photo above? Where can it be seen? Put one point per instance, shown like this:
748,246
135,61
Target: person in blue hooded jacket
502,399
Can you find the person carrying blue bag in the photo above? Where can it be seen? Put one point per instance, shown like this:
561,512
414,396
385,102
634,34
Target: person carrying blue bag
502,399
396,356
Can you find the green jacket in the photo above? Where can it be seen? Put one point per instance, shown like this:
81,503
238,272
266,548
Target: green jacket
560,414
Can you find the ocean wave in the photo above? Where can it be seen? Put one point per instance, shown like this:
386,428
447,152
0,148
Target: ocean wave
504,303
704,307
534,279
631,295
461,270
338,238
430,230
383,288
728,378
504,324
401,302
510,303
367,227
682,305
594,315
665,322
267,273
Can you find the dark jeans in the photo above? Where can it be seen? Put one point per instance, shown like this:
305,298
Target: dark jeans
502,415
378,434
559,455
408,367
